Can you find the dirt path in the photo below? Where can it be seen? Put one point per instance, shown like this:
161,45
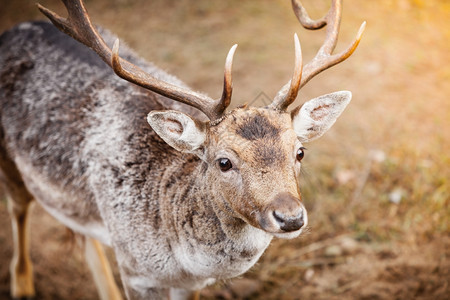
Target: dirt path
340,268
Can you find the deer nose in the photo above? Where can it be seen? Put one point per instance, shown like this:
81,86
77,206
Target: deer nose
289,223
287,212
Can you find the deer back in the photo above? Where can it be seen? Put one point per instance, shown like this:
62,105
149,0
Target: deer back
65,115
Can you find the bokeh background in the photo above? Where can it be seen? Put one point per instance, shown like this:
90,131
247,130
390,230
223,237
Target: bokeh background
376,185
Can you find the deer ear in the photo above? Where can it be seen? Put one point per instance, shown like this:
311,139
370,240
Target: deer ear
178,130
315,117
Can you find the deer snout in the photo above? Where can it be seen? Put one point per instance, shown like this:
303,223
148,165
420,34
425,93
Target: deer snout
289,223
285,214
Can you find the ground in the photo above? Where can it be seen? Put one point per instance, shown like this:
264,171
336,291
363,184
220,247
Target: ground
376,186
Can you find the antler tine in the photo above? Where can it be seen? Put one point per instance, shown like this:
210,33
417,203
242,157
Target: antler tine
325,61
324,58
304,19
213,109
225,101
333,21
79,26
286,96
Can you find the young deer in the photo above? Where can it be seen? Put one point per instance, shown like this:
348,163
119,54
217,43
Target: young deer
183,202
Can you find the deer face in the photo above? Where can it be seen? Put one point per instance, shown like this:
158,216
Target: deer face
255,162
254,157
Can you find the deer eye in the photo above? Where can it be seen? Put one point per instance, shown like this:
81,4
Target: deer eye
300,153
225,164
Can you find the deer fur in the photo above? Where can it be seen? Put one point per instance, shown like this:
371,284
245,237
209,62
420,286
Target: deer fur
76,138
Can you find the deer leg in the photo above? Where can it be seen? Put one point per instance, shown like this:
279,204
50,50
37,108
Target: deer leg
19,200
21,269
101,270
181,294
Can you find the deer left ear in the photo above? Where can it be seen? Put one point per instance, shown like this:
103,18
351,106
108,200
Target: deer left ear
179,130
315,117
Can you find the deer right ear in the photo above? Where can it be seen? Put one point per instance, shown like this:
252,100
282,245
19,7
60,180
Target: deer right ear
316,116
178,130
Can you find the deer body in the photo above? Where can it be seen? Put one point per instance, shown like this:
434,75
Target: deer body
102,171
183,202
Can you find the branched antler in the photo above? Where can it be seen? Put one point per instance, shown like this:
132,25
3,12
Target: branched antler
79,26
324,58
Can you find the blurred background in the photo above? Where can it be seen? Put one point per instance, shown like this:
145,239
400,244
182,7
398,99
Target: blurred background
377,185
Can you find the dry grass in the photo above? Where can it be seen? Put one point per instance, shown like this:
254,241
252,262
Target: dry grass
377,185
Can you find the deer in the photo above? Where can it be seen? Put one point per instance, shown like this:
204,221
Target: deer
184,191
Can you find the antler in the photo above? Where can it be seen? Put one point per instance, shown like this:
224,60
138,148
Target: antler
324,58
78,25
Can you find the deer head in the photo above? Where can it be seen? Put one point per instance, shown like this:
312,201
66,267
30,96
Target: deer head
253,154
254,157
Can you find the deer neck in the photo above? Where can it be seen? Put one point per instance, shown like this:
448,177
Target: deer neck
203,220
